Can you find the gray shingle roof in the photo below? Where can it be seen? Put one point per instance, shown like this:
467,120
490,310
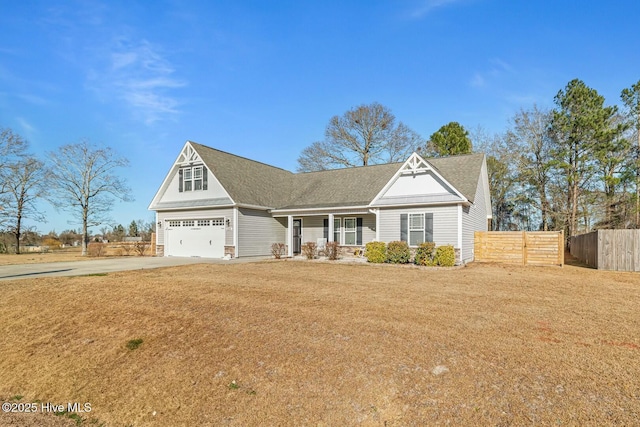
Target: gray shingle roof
254,183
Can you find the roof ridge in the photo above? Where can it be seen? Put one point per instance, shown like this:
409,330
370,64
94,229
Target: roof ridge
240,157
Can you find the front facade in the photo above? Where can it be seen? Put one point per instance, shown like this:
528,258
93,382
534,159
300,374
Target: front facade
214,204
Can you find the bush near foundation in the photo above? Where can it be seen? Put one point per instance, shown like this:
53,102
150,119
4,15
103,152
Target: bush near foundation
277,250
445,256
398,252
332,250
376,252
425,253
310,250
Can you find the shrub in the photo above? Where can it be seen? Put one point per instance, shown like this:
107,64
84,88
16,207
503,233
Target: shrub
95,249
277,250
51,243
425,253
398,252
376,252
332,250
310,250
141,247
445,256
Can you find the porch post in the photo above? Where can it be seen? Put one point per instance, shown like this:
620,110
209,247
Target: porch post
290,236
377,212
330,234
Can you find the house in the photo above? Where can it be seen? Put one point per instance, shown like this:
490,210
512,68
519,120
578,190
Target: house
214,203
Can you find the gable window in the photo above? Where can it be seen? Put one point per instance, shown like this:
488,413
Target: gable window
416,228
192,179
187,179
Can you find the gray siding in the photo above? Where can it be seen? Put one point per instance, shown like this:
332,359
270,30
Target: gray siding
474,219
226,213
257,231
445,223
313,227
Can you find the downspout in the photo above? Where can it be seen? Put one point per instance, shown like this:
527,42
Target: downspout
376,212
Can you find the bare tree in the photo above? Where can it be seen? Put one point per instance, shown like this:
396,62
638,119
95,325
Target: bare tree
362,136
530,132
12,148
83,181
23,185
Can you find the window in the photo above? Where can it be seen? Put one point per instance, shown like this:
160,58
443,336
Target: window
336,230
190,223
350,230
197,178
174,223
217,222
193,179
187,177
416,229
203,222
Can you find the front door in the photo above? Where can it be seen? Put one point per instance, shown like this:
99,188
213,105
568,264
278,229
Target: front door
297,236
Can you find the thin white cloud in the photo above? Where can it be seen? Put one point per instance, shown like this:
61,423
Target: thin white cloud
478,81
138,74
427,6
497,70
27,128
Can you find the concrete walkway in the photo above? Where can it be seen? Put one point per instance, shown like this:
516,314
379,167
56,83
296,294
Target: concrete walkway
105,265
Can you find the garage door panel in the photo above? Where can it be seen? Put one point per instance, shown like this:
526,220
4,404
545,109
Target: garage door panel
195,238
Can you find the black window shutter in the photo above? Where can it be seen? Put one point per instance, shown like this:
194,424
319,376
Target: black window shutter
180,181
358,231
325,232
428,227
404,227
204,178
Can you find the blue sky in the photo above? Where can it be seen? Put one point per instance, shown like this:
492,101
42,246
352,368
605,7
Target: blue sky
262,79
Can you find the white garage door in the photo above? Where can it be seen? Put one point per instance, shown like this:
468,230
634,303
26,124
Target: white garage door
195,237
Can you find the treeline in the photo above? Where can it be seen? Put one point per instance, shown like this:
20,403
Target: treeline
115,233
574,168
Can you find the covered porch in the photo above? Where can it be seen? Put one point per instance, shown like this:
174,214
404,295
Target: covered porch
349,227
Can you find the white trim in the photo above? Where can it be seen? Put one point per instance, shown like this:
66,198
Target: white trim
415,164
235,232
330,228
290,236
460,228
376,212
320,211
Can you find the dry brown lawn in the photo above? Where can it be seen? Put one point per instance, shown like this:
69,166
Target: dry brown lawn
64,255
299,343
67,254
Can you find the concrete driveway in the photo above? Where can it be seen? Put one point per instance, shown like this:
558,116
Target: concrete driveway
106,265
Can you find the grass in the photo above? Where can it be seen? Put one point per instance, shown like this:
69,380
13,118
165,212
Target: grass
284,343
133,344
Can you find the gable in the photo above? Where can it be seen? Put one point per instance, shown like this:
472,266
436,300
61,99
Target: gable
417,182
175,193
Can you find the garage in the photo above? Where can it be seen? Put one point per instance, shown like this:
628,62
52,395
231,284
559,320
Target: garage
195,237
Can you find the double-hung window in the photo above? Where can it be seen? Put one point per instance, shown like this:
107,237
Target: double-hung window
336,230
350,228
193,179
197,178
416,229
187,177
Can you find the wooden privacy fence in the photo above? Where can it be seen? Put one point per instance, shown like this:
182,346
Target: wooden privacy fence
617,250
520,247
